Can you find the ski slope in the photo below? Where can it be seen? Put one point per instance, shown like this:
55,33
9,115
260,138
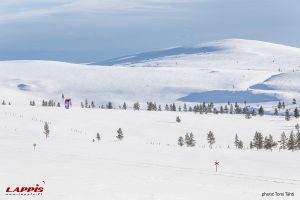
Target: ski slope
147,163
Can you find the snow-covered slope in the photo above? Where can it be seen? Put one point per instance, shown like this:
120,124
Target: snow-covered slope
147,164
228,67
223,54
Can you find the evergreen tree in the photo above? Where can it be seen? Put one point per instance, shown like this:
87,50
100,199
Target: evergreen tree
93,104
180,141
294,101
287,115
82,106
261,111
63,96
120,135
283,141
136,106
258,140
251,145
291,144
236,141
240,144
98,137
167,107
276,112
178,120
124,106
189,140
109,105
159,107
211,138
3,102
269,143
86,103
184,108
58,104
297,140
296,113
46,129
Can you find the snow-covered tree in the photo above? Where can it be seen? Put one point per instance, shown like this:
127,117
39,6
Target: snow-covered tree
189,140
276,112
180,141
296,113
178,120
291,144
283,141
211,138
240,144
236,141
109,105
124,107
136,106
46,129
261,111
98,137
287,115
297,140
120,135
258,140
269,143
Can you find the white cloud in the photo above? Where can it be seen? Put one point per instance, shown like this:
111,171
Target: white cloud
36,8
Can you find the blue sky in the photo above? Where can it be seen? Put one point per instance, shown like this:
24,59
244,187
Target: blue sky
82,31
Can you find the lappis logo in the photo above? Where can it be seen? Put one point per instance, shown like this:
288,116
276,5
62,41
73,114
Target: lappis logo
36,189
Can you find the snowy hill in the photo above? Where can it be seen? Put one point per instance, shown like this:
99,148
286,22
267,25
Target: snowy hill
244,70
223,54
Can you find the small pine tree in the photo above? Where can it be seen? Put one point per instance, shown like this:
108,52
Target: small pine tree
178,120
296,113
297,140
276,112
291,144
236,141
283,141
269,143
251,145
136,106
258,140
261,111
287,115
58,104
294,101
109,105
211,138
124,107
98,137
189,140
120,135
46,129
240,144
180,141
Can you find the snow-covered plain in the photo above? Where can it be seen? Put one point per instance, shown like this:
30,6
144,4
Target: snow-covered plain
148,163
